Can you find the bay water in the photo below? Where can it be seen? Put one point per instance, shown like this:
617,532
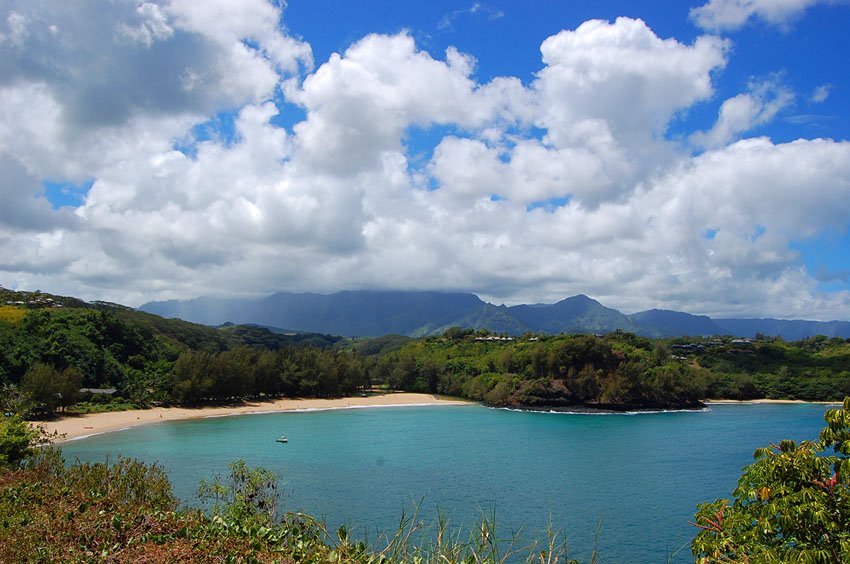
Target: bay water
638,477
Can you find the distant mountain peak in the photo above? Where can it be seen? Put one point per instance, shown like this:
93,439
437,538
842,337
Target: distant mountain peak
418,313
578,298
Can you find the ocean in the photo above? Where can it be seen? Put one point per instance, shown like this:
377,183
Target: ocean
637,478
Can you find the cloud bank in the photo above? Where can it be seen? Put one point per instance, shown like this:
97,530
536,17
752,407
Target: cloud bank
532,192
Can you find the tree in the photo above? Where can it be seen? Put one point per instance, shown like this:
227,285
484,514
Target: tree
41,385
248,499
791,505
12,400
457,333
17,440
660,352
405,373
46,388
190,375
68,386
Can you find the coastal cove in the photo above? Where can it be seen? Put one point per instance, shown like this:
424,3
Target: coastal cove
639,474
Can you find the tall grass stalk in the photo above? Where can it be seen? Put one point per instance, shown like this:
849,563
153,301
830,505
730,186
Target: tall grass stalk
420,542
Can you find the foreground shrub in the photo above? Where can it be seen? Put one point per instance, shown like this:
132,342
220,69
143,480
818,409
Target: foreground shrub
96,512
124,512
17,440
791,505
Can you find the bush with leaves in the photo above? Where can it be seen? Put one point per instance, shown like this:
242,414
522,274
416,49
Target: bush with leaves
248,499
123,512
17,440
791,505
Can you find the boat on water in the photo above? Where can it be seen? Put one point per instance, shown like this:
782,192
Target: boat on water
282,440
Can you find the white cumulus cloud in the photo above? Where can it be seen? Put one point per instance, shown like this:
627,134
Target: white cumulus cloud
528,192
719,15
745,111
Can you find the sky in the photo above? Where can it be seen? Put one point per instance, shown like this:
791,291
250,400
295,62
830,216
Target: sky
688,155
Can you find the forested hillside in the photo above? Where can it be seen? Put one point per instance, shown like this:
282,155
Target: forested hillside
48,353
619,370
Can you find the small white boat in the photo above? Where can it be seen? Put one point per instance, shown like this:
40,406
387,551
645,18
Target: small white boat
282,440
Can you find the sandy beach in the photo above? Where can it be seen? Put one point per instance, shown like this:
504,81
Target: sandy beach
79,426
709,401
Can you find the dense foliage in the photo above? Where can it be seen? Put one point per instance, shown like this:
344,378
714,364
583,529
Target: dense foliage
791,505
98,512
618,369
245,372
49,353
17,441
816,368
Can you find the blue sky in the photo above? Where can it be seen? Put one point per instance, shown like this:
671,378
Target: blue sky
681,155
505,38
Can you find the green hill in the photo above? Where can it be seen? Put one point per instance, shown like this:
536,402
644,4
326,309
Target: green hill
109,346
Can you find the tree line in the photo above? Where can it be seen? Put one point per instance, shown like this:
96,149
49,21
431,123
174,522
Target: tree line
620,368
48,353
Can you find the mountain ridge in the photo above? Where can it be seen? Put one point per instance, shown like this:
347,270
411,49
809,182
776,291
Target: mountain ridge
361,313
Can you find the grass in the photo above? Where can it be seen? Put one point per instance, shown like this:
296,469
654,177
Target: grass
12,314
85,407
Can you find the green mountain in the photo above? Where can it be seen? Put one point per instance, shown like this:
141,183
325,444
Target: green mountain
415,314
578,314
497,319
354,314
666,323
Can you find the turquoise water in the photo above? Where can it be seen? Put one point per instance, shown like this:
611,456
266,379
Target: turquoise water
640,475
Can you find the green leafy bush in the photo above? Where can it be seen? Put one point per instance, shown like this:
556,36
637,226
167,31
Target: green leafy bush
17,440
791,505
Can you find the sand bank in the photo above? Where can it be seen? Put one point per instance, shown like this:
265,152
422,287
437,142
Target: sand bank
75,427
710,401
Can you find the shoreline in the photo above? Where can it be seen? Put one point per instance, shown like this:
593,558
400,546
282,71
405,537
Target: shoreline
767,401
74,427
